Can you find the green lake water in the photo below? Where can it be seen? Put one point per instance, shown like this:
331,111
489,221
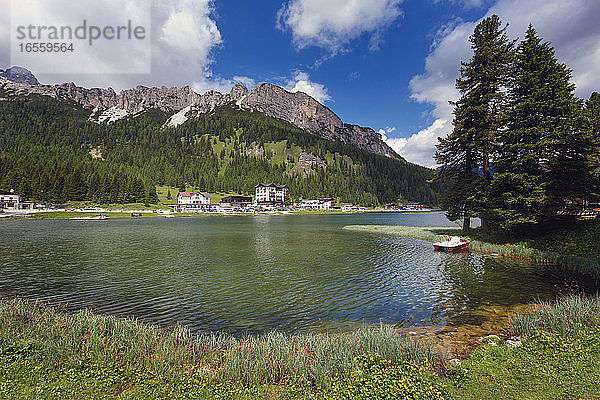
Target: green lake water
252,274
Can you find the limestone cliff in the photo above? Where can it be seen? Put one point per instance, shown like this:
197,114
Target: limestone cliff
297,108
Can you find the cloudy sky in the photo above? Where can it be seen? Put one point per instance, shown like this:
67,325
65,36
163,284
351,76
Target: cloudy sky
387,64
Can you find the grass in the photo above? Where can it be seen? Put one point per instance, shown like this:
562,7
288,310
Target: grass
115,206
536,251
215,198
163,193
563,317
57,342
576,238
547,367
559,359
70,214
49,354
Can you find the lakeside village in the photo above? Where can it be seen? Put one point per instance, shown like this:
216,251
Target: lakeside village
268,198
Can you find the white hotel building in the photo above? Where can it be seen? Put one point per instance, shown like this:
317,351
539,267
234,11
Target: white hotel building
270,194
190,201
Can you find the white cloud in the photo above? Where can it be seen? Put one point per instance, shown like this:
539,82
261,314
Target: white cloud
220,84
184,37
385,131
301,82
332,24
418,147
190,30
245,80
125,55
571,27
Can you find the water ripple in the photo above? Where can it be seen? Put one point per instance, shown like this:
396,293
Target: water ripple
255,274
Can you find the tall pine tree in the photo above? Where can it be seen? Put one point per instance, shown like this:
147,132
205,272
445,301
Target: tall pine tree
592,107
477,119
544,161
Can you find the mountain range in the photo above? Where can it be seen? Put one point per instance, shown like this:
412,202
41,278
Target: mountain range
183,104
61,143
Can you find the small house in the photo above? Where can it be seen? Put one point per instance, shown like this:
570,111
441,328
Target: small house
236,201
9,200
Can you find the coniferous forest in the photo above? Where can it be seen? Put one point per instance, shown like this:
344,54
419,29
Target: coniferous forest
50,152
524,149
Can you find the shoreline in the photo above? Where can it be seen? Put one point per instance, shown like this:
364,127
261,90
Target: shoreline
582,265
65,215
87,355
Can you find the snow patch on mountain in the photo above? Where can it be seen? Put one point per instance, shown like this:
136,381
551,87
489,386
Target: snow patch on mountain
179,117
109,115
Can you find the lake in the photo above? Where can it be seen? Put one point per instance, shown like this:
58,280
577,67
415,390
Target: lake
252,274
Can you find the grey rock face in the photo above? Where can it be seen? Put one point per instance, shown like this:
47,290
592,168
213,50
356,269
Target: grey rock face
238,91
132,100
19,75
365,138
297,108
307,160
305,112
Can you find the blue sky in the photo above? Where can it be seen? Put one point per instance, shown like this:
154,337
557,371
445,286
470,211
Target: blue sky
386,64
368,87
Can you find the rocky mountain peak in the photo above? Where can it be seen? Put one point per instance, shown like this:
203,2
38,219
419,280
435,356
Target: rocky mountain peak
297,108
19,75
238,91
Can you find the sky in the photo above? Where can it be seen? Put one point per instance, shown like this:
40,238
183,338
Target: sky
387,64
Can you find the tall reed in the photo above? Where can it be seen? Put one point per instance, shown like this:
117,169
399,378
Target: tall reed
562,316
270,358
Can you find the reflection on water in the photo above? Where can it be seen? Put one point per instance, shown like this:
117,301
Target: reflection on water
259,273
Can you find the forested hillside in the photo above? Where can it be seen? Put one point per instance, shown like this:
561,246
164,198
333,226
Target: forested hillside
50,152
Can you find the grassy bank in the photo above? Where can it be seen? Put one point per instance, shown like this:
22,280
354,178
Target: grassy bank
127,214
72,214
101,356
45,353
559,357
540,250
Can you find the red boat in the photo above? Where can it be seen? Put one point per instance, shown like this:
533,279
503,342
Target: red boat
452,244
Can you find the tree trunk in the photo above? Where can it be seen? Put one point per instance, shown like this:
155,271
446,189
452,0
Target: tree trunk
466,224
485,226
487,175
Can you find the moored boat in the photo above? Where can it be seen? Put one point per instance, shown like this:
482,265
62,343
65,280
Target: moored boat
452,244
